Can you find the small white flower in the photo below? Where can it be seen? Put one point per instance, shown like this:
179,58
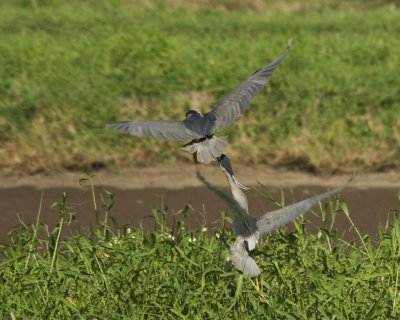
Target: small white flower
114,240
217,235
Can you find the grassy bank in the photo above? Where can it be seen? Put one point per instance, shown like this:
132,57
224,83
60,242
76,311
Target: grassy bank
333,104
172,273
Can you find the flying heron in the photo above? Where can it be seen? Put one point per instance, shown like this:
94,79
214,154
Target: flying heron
199,127
248,229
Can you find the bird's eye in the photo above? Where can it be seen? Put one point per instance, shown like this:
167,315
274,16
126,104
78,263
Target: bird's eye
189,114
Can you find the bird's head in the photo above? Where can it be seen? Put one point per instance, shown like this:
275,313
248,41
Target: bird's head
192,113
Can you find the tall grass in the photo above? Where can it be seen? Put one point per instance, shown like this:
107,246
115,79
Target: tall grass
173,273
333,104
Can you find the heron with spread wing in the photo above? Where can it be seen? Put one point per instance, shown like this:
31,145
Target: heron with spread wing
199,127
248,229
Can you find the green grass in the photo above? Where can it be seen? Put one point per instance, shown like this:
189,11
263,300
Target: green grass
333,104
171,273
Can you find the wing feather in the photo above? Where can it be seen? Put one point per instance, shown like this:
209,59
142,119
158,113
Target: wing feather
235,103
161,129
275,219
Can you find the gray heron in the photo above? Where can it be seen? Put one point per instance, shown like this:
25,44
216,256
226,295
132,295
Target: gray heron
199,127
248,229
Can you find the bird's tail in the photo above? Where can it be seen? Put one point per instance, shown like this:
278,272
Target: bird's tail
207,150
241,258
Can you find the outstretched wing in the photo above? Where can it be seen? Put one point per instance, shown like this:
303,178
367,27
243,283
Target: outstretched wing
161,129
235,103
275,219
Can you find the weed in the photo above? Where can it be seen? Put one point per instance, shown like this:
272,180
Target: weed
172,272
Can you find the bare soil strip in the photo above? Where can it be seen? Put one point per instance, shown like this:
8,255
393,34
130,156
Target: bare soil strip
185,176
370,197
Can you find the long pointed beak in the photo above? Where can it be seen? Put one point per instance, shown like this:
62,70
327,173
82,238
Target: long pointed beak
239,184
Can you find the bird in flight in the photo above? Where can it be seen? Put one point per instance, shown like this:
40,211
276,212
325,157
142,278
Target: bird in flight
248,229
199,127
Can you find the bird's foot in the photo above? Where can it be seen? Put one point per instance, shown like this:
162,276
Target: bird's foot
261,297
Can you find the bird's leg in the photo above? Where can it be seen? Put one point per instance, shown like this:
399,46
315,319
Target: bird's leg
257,285
261,297
196,162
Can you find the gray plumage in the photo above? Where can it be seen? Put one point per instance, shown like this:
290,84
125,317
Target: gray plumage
235,103
277,218
200,127
208,149
249,229
243,224
161,129
242,259
225,165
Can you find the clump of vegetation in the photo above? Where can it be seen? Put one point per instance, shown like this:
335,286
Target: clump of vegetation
172,272
332,105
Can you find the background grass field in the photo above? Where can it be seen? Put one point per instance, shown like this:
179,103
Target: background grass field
333,104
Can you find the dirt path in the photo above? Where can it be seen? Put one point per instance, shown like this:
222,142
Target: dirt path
369,197
185,176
